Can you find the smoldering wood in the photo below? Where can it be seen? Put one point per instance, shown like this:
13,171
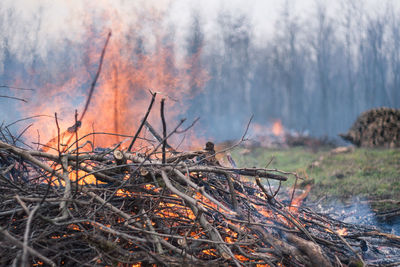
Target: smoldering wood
182,212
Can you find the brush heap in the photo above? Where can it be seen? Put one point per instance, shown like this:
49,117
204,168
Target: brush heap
119,207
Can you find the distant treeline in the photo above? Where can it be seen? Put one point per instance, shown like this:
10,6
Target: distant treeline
315,74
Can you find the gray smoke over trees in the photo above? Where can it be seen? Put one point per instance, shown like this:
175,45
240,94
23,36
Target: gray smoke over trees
316,74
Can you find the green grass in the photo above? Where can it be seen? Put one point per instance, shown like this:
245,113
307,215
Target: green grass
369,173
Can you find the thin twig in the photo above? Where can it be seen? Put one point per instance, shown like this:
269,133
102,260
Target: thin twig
23,131
77,153
28,118
156,134
17,88
15,98
26,236
153,97
93,85
294,189
116,97
164,130
58,135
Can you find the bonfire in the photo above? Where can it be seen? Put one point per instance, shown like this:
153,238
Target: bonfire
71,203
68,205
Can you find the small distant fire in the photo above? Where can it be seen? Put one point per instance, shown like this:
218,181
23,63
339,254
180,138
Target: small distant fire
273,135
277,128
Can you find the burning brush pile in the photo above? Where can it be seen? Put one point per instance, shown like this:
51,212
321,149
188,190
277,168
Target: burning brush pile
116,206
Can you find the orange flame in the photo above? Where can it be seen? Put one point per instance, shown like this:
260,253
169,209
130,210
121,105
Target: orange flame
241,258
121,96
277,128
296,202
211,251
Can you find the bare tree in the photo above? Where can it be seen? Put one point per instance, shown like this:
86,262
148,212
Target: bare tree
289,59
323,45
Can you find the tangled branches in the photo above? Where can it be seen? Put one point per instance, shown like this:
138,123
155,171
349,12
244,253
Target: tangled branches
120,207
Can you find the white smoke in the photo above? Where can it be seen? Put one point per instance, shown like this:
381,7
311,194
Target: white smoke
38,27
59,33
32,28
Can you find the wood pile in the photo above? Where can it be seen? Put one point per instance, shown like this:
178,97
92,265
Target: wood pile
116,207
378,127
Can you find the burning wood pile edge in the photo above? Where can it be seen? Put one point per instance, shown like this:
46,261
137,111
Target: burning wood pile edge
185,211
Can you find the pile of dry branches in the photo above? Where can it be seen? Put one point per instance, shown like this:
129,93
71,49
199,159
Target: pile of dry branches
377,127
178,209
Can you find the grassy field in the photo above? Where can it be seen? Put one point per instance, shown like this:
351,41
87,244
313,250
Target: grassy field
365,173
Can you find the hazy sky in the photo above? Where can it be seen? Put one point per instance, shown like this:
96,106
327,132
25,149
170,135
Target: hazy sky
263,14
42,25
55,27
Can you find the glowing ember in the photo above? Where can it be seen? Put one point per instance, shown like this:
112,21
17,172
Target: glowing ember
210,252
342,231
83,177
74,227
219,217
296,202
241,258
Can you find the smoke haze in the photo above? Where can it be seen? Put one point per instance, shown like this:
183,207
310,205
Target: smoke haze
313,64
